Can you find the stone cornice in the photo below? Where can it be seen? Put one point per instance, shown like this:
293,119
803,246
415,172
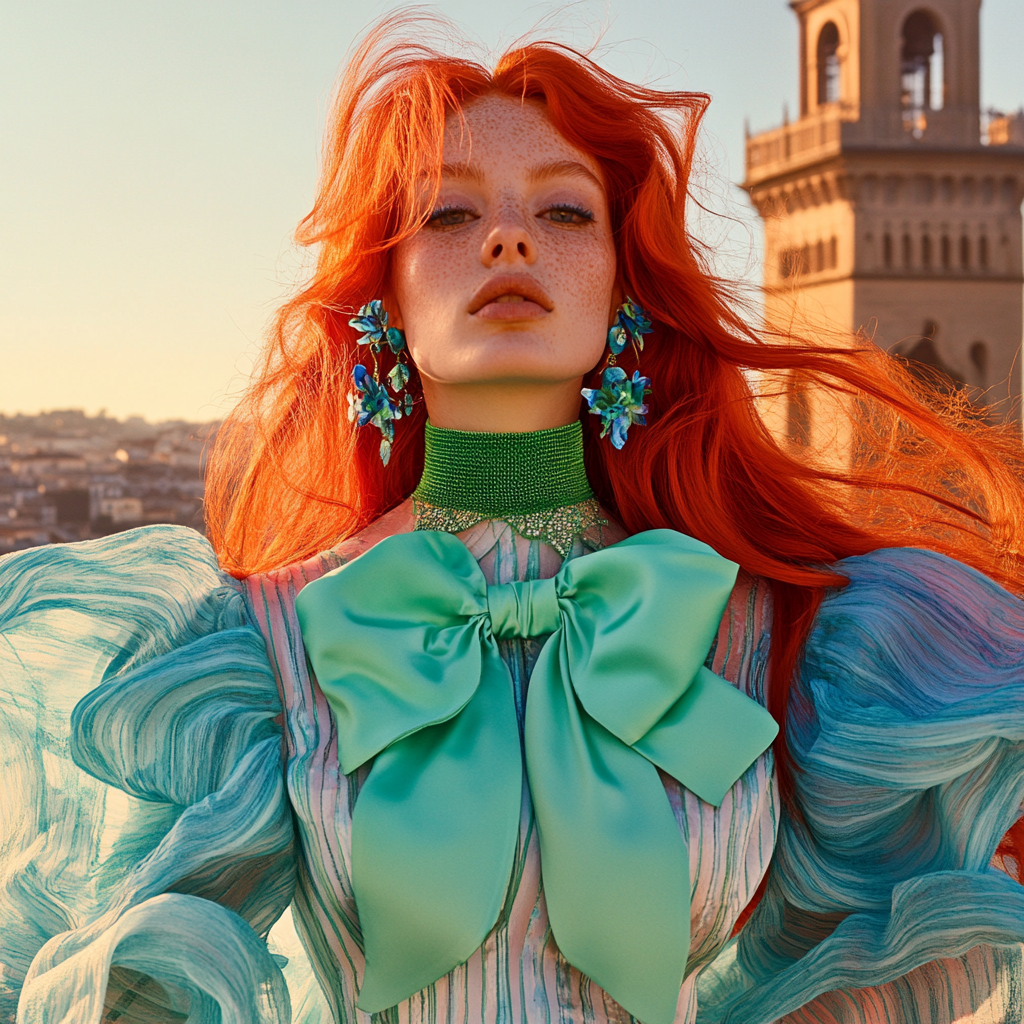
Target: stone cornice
890,277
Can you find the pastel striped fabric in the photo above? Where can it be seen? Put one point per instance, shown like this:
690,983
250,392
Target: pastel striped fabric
517,974
174,828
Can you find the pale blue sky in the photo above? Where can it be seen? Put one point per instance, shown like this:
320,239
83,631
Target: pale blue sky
155,156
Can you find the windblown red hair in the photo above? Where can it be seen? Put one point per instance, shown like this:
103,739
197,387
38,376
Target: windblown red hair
289,476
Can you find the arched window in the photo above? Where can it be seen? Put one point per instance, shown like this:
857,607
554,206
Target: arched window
887,250
983,252
922,71
965,252
819,256
947,252
908,251
833,253
926,252
828,64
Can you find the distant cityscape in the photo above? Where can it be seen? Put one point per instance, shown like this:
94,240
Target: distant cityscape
66,476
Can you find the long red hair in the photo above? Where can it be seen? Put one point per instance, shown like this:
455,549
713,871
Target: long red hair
290,476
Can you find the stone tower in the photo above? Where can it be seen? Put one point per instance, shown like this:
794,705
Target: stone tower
884,208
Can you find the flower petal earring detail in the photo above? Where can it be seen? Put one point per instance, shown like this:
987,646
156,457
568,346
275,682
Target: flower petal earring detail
620,400
370,402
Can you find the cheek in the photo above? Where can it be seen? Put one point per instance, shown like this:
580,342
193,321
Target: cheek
587,275
598,278
429,279
416,278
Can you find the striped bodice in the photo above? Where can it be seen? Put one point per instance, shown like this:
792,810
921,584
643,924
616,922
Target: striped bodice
517,974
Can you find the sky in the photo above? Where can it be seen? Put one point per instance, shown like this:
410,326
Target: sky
156,155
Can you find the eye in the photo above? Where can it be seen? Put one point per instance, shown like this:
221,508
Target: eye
450,217
568,214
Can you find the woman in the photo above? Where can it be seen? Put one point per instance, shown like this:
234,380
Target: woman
556,647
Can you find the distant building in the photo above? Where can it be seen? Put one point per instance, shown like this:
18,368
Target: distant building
884,208
72,505
123,510
65,476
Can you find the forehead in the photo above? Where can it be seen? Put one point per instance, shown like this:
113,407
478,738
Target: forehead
496,129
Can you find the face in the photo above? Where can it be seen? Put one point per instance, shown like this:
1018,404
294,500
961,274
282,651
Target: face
513,278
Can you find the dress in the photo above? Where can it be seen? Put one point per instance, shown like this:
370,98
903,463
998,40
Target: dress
160,813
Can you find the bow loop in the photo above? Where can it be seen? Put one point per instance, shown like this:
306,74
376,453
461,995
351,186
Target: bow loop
523,609
391,667
642,618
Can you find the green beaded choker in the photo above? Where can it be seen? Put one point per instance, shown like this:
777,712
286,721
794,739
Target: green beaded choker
534,481
504,474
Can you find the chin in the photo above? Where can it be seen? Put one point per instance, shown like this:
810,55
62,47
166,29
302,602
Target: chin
510,368
510,359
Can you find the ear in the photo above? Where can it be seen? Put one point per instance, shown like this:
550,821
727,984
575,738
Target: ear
394,311
618,297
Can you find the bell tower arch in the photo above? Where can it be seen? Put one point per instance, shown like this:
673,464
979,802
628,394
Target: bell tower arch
885,210
828,69
829,44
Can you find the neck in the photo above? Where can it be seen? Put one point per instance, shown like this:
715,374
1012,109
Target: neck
504,473
502,407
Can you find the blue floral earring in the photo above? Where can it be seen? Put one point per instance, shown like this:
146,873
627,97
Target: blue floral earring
620,400
370,402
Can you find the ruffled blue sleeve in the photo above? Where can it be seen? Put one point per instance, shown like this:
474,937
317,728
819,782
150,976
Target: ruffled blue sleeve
907,733
146,842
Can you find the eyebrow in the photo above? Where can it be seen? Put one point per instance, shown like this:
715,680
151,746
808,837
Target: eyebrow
562,169
540,173
472,172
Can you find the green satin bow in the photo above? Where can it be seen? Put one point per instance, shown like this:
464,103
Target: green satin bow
403,644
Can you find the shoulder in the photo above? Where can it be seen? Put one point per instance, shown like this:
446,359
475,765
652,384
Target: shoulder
399,520
916,628
290,579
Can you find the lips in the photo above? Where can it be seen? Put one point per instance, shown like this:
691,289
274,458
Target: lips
511,297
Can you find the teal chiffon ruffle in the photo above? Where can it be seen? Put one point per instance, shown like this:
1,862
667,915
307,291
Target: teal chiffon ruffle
907,736
145,830
145,822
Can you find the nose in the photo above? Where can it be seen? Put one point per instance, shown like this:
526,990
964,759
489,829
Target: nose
508,243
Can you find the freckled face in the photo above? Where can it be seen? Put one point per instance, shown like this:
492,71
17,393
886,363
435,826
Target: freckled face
512,278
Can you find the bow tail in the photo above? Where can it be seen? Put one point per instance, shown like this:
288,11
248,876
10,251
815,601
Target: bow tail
433,838
611,850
